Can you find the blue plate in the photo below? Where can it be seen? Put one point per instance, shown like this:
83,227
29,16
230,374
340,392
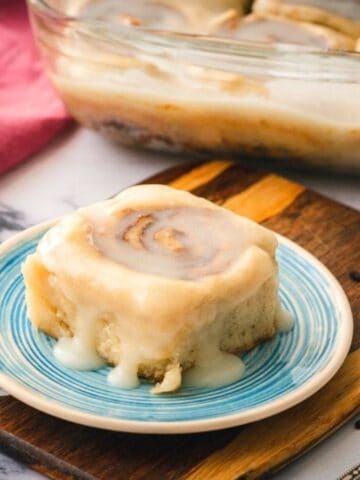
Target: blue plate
279,373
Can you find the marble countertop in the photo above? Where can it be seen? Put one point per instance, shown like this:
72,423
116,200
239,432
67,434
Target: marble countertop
81,167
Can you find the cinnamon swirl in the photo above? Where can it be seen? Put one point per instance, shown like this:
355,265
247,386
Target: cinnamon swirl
155,282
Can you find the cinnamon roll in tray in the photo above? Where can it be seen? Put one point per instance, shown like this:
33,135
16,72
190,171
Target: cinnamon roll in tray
157,283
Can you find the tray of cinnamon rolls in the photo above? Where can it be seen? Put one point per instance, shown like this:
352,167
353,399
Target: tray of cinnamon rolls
269,80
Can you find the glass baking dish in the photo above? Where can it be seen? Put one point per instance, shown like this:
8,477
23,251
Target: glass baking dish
200,94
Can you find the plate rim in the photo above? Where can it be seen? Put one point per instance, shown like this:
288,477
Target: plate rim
284,402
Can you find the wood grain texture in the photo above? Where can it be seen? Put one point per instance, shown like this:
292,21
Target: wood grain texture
200,175
247,457
265,198
63,450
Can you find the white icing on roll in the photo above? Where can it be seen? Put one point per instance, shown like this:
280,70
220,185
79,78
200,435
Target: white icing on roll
181,243
213,367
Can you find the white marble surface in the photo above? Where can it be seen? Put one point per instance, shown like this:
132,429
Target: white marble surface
81,167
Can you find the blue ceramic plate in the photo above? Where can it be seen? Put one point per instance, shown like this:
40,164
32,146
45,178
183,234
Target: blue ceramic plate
279,373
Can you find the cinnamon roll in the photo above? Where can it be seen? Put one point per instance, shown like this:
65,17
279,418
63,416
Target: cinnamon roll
271,29
157,283
343,15
185,16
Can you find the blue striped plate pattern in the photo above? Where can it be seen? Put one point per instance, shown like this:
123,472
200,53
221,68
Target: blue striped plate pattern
279,373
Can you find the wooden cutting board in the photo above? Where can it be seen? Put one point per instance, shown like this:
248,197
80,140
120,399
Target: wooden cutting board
330,231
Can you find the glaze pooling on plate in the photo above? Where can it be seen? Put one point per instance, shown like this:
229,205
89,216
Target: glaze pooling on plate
279,373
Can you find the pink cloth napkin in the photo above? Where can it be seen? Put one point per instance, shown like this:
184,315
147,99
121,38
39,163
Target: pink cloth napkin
31,112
